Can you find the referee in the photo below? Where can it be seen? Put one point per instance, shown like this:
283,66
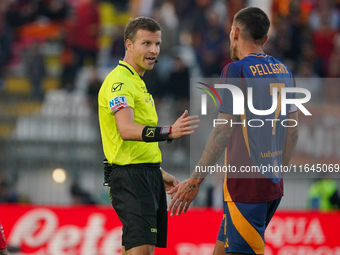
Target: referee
130,136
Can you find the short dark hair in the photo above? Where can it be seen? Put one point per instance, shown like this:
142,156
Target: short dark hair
255,23
143,23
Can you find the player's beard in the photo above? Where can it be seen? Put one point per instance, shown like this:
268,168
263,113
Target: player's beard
233,52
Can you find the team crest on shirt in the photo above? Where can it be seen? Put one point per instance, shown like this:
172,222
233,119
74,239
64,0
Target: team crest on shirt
118,103
117,86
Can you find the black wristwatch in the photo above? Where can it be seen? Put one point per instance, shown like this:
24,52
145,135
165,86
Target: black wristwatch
165,132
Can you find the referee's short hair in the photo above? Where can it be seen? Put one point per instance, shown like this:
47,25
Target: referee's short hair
254,24
140,23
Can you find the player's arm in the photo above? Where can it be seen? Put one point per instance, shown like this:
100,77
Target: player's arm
129,130
218,140
291,139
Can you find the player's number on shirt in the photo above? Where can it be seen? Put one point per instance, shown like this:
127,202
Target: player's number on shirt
279,86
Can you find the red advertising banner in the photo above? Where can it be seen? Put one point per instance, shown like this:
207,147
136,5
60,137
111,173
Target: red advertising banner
86,230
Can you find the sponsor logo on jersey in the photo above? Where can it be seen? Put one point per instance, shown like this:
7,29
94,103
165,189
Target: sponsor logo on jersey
118,103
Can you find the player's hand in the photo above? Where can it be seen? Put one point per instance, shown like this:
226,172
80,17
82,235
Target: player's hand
184,125
169,181
183,194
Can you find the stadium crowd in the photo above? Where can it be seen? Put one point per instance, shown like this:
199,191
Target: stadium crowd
305,36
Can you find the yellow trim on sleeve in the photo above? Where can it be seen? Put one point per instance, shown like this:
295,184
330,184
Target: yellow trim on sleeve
227,196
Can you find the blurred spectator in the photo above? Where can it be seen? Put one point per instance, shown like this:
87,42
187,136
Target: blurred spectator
289,37
177,90
69,68
323,39
84,32
332,87
209,44
179,80
191,14
168,20
334,61
120,5
323,195
7,194
307,78
35,68
183,9
5,42
155,86
324,12
295,33
187,53
166,17
53,9
117,50
80,41
141,7
80,196
93,90
226,59
306,71
233,6
21,12
281,44
309,55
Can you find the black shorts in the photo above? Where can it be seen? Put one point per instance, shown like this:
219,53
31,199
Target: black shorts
138,196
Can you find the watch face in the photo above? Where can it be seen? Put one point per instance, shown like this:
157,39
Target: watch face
165,130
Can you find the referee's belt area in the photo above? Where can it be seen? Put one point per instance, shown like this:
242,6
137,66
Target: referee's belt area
108,168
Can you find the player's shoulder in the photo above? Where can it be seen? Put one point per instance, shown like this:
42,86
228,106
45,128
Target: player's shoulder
118,80
232,69
276,61
273,60
118,73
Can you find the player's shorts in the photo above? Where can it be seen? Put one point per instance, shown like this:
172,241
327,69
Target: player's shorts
3,244
243,225
138,196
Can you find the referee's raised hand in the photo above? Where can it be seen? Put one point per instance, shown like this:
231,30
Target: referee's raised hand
184,125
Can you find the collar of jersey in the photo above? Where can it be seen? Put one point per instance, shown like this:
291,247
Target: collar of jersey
257,55
127,66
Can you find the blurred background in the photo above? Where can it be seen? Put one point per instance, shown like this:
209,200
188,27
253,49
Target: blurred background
54,55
